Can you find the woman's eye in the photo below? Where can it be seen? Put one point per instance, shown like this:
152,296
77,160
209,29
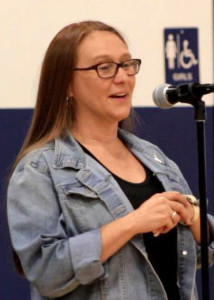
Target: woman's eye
105,67
127,65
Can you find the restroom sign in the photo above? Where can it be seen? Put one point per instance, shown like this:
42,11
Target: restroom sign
181,55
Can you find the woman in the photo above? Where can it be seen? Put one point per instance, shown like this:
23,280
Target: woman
94,212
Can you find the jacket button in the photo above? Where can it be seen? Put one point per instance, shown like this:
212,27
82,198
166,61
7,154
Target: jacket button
157,158
184,252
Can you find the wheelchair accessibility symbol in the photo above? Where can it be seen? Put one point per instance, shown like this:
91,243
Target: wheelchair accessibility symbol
185,58
181,55
187,54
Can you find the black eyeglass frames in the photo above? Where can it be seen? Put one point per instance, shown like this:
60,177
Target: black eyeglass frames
110,69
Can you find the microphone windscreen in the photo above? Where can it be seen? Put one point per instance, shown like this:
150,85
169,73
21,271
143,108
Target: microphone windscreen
160,96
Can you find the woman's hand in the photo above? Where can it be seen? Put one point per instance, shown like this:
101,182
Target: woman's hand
162,212
188,216
159,214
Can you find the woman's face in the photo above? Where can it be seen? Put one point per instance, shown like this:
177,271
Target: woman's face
95,98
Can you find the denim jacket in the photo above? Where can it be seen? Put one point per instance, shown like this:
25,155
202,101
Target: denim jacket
59,198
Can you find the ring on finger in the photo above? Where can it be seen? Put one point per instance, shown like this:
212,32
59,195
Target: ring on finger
173,215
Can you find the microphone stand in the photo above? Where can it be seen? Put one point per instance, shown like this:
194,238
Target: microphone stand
200,117
192,94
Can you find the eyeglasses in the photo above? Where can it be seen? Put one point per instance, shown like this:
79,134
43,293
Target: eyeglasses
110,69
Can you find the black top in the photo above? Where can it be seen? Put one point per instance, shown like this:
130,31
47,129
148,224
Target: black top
162,250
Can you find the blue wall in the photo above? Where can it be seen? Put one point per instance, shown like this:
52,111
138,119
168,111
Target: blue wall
173,130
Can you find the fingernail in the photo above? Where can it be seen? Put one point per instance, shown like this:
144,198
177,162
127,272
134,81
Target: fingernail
155,234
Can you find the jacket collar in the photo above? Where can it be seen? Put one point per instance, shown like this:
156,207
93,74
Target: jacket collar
68,153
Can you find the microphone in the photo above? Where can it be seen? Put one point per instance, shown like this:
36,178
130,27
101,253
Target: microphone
166,95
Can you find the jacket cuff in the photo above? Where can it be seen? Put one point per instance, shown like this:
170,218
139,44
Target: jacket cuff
210,243
85,255
211,226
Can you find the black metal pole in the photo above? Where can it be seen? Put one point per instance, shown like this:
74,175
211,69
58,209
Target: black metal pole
200,120
203,210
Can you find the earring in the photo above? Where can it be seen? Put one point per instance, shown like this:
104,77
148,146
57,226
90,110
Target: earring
68,98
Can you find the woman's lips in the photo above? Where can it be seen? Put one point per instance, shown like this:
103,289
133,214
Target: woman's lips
118,96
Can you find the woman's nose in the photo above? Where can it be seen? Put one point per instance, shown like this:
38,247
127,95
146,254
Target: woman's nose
121,75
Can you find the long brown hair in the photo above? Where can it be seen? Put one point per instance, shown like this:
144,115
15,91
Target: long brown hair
52,114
